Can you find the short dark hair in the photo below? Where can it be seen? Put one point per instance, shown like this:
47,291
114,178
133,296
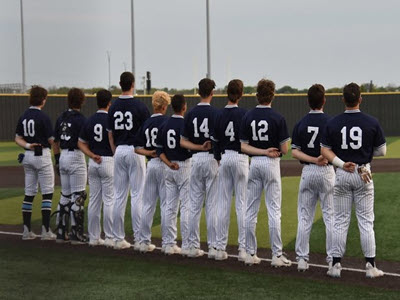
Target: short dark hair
37,95
206,87
265,91
178,102
126,80
235,90
316,96
76,97
103,98
351,94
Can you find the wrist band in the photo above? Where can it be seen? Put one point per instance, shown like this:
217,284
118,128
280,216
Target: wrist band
338,162
28,146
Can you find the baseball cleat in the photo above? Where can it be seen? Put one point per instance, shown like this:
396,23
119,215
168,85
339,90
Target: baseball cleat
302,265
212,252
252,260
47,235
184,252
109,243
334,271
372,272
136,246
195,252
147,247
94,243
280,261
28,235
221,255
122,245
242,254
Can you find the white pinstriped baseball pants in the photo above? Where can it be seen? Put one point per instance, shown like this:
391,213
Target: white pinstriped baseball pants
265,174
38,169
203,186
129,171
101,185
73,174
233,175
177,195
316,182
349,188
154,188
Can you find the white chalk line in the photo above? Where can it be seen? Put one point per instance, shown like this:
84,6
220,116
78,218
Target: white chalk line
262,259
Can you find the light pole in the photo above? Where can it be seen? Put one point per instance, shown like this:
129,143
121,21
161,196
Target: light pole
109,69
133,38
22,48
208,40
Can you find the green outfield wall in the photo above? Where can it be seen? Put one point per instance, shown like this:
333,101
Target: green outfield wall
383,106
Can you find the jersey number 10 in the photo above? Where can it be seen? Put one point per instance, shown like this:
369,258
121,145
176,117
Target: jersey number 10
355,137
29,127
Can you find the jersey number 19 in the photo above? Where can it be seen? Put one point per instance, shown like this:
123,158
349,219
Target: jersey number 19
355,137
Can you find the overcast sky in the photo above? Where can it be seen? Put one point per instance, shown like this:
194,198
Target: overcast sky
292,42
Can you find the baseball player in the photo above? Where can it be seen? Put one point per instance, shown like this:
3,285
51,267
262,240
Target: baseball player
350,141
93,141
34,133
264,136
72,169
126,116
199,125
177,177
233,171
317,178
154,186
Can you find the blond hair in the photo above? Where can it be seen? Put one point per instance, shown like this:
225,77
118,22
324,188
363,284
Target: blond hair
160,99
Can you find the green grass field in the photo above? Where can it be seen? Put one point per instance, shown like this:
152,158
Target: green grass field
33,273
386,218
9,151
38,272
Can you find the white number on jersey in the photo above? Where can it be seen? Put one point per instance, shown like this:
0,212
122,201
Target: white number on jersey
151,137
355,137
314,130
98,132
120,117
29,127
203,128
229,131
171,142
64,131
262,130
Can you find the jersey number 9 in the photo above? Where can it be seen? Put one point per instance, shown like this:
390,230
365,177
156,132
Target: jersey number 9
98,132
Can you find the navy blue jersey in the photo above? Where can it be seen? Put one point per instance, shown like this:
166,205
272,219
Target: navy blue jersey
125,117
94,132
353,136
227,128
199,123
308,131
68,127
262,127
147,135
35,127
169,137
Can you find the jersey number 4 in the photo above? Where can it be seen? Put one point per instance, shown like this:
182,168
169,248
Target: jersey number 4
230,132
355,137
120,118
